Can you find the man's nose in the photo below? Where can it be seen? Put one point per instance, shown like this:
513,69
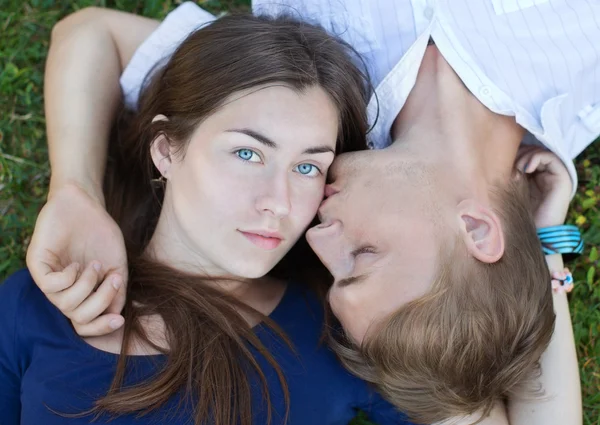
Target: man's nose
275,199
327,240
343,165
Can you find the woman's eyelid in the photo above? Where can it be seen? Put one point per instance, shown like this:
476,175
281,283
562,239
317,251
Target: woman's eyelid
323,164
253,150
319,168
323,160
311,174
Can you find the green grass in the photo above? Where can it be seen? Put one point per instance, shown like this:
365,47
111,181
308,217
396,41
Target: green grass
24,35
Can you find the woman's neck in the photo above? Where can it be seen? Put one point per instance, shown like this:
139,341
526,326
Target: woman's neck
170,245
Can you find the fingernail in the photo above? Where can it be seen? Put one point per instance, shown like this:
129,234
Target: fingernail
116,323
116,282
97,267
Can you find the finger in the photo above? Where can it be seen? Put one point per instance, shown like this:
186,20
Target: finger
553,164
116,306
69,299
97,302
51,282
533,164
103,325
522,162
548,162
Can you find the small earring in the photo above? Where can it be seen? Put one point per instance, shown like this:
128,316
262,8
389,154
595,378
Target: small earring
160,181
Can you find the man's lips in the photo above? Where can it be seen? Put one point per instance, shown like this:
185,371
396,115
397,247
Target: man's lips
263,239
330,190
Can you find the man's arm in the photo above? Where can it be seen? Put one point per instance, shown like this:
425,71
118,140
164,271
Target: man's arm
561,401
88,51
560,373
76,244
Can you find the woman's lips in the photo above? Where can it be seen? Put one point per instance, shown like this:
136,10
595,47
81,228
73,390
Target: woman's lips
265,242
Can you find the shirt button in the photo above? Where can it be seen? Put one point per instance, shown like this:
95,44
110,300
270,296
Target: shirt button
590,116
428,12
585,111
485,91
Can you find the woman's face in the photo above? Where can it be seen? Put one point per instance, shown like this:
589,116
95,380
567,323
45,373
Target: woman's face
249,182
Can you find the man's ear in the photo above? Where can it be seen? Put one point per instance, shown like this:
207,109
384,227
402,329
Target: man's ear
481,231
160,150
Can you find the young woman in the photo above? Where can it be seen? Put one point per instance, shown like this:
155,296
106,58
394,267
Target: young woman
214,179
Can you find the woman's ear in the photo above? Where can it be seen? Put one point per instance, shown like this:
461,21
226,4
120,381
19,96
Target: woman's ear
481,231
160,150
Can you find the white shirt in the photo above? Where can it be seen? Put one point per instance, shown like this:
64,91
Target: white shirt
537,60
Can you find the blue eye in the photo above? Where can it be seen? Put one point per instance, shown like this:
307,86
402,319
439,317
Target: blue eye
248,155
308,170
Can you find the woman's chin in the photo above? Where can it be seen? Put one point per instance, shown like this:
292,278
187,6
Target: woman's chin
252,270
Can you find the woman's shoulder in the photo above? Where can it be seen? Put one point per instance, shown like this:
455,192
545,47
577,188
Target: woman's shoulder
15,288
22,302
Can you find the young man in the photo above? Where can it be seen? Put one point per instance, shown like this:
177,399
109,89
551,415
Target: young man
456,112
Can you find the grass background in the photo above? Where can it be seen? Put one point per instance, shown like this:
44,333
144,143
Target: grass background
24,172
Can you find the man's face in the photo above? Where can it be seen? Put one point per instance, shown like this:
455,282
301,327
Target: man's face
380,234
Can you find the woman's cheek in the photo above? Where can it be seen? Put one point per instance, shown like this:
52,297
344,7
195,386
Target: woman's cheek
307,203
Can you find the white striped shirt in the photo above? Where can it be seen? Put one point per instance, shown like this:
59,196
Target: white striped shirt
537,60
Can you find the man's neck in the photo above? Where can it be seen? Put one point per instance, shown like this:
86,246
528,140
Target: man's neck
444,121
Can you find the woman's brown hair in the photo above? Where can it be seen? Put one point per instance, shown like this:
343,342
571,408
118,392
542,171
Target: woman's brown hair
476,338
209,355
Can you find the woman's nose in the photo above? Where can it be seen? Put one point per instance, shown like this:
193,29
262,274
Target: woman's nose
275,199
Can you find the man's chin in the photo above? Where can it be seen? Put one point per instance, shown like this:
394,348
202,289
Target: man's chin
313,246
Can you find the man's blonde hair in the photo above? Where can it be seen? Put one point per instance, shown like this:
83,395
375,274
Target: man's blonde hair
475,337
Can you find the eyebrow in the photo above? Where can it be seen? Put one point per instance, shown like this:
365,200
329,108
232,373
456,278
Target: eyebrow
271,144
350,280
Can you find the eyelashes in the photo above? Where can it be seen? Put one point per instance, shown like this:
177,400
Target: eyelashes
250,155
243,155
365,249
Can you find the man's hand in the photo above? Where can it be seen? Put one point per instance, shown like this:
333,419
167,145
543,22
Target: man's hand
549,184
77,257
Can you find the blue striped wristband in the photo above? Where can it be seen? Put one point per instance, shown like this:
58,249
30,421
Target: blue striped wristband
564,239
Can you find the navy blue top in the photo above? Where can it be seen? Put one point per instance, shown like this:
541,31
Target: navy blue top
45,367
